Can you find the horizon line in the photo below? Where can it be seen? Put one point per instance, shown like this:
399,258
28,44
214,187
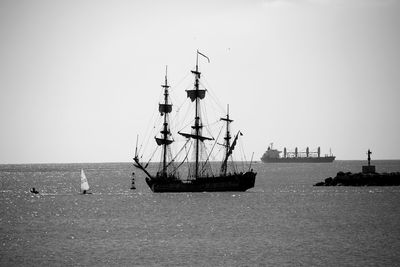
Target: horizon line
115,162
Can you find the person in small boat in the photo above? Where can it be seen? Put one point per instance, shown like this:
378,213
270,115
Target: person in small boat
34,191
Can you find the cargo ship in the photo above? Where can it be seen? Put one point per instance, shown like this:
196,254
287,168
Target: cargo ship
273,156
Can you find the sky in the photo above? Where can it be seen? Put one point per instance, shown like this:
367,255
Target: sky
80,79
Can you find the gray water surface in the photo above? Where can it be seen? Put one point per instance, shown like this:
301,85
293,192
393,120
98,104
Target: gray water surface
282,221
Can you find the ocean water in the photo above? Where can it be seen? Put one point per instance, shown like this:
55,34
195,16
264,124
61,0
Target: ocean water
282,221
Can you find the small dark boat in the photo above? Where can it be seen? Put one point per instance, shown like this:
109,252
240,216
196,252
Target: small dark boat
34,191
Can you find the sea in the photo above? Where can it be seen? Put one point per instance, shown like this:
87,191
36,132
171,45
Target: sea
283,221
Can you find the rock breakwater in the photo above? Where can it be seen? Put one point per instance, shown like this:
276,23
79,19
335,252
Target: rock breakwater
362,179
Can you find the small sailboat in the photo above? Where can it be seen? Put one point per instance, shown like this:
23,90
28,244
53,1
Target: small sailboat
84,183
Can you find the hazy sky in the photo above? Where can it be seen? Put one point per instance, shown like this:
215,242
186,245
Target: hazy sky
79,79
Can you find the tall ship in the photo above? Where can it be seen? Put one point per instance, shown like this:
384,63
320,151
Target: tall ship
175,172
273,156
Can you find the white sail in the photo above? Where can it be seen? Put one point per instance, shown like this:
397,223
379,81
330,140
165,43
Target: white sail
84,182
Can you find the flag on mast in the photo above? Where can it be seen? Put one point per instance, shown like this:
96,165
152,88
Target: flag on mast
203,56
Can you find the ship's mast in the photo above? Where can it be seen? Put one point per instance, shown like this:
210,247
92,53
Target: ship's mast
227,143
197,113
165,108
196,95
165,130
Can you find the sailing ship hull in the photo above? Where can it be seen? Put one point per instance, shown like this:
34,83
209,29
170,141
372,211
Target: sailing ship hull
299,160
233,182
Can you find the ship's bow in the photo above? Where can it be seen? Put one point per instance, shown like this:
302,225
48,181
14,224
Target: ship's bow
247,180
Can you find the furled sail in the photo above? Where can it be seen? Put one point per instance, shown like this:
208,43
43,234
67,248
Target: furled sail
161,141
193,136
232,147
164,108
193,94
84,181
234,143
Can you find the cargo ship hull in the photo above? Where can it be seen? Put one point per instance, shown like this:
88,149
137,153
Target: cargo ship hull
272,155
299,160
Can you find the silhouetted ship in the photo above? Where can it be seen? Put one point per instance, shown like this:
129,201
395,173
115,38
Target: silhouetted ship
199,176
273,156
